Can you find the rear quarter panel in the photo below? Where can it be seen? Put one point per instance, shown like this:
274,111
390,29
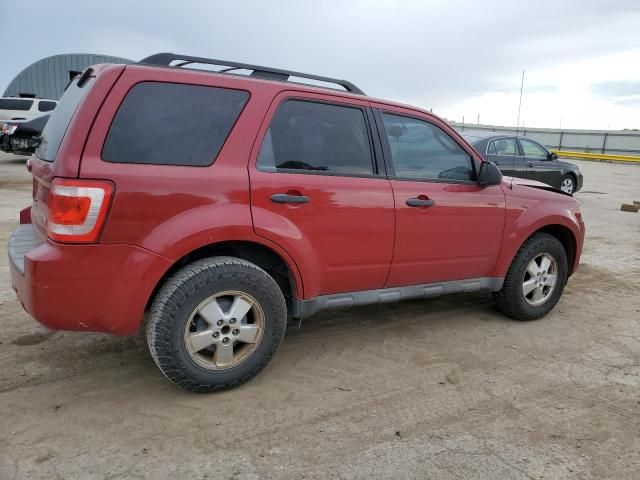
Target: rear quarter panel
173,210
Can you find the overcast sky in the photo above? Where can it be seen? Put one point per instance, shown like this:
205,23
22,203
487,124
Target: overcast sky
460,58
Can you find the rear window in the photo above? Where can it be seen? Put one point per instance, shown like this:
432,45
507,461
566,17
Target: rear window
57,125
172,124
15,104
46,106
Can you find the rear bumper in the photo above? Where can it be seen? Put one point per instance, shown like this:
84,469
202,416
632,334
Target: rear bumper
97,288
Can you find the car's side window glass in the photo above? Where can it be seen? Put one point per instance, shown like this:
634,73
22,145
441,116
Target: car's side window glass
421,150
503,146
46,106
532,149
172,124
309,136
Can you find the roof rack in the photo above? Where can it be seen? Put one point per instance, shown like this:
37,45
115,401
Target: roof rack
166,59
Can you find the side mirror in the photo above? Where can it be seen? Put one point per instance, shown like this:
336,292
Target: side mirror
552,156
489,174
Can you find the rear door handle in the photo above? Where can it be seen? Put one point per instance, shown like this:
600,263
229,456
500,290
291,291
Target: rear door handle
419,202
285,198
531,164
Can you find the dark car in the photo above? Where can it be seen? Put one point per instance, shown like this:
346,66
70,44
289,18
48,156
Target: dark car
525,158
22,136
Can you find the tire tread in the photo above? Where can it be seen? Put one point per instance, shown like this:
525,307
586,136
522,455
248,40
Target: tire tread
175,293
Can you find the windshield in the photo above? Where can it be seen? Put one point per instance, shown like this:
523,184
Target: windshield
57,125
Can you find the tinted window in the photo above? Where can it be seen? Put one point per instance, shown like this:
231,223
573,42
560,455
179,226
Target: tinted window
314,136
503,146
15,104
172,124
422,150
532,149
46,106
60,118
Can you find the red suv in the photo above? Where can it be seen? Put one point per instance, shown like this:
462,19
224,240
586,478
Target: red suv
210,206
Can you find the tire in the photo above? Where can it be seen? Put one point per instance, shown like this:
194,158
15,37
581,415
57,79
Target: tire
568,184
199,302
512,300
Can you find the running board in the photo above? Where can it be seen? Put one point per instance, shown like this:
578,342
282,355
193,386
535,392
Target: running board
306,308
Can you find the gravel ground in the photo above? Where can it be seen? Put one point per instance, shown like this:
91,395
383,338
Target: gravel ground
444,388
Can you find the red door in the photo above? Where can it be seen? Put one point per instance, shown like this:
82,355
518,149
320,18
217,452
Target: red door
447,226
316,192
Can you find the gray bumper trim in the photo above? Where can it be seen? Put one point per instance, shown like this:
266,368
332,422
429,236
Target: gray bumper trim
23,239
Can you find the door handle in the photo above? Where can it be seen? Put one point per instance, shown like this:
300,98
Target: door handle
285,198
419,202
531,164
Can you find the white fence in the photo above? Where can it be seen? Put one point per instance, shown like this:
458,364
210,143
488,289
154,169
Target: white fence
612,142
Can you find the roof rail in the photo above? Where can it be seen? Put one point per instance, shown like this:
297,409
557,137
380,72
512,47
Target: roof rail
165,59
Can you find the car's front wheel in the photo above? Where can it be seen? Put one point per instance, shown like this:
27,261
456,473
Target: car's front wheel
216,323
535,280
568,184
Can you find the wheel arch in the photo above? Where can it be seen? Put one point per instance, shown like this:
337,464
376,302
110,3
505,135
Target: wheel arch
559,229
274,263
566,238
573,175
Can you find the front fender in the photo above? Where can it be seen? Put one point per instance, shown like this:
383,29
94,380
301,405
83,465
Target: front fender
530,210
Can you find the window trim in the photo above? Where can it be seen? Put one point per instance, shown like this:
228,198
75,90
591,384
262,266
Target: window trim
375,151
388,160
121,101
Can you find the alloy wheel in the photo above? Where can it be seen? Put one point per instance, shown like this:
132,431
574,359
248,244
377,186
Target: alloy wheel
567,185
224,330
540,279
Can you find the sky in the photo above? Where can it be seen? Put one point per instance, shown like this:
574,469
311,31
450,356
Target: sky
460,58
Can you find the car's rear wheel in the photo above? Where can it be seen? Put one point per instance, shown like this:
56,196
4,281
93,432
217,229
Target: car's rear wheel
535,280
216,323
568,184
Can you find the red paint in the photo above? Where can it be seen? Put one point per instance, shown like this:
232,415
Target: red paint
354,234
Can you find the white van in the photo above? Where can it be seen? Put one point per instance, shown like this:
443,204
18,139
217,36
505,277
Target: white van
23,108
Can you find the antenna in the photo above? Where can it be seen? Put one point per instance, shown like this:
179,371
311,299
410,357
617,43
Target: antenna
517,125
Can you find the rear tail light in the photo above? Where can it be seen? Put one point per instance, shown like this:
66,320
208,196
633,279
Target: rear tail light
77,210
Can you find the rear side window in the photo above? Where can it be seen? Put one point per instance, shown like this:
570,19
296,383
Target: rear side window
172,124
46,106
57,125
317,137
503,146
15,104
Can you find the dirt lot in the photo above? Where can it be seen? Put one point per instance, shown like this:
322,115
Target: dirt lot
442,389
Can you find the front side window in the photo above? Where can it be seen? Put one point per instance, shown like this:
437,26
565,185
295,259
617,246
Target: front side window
46,105
172,124
531,149
421,150
307,136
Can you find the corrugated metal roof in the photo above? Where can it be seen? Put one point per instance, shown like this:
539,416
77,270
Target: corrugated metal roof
47,78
